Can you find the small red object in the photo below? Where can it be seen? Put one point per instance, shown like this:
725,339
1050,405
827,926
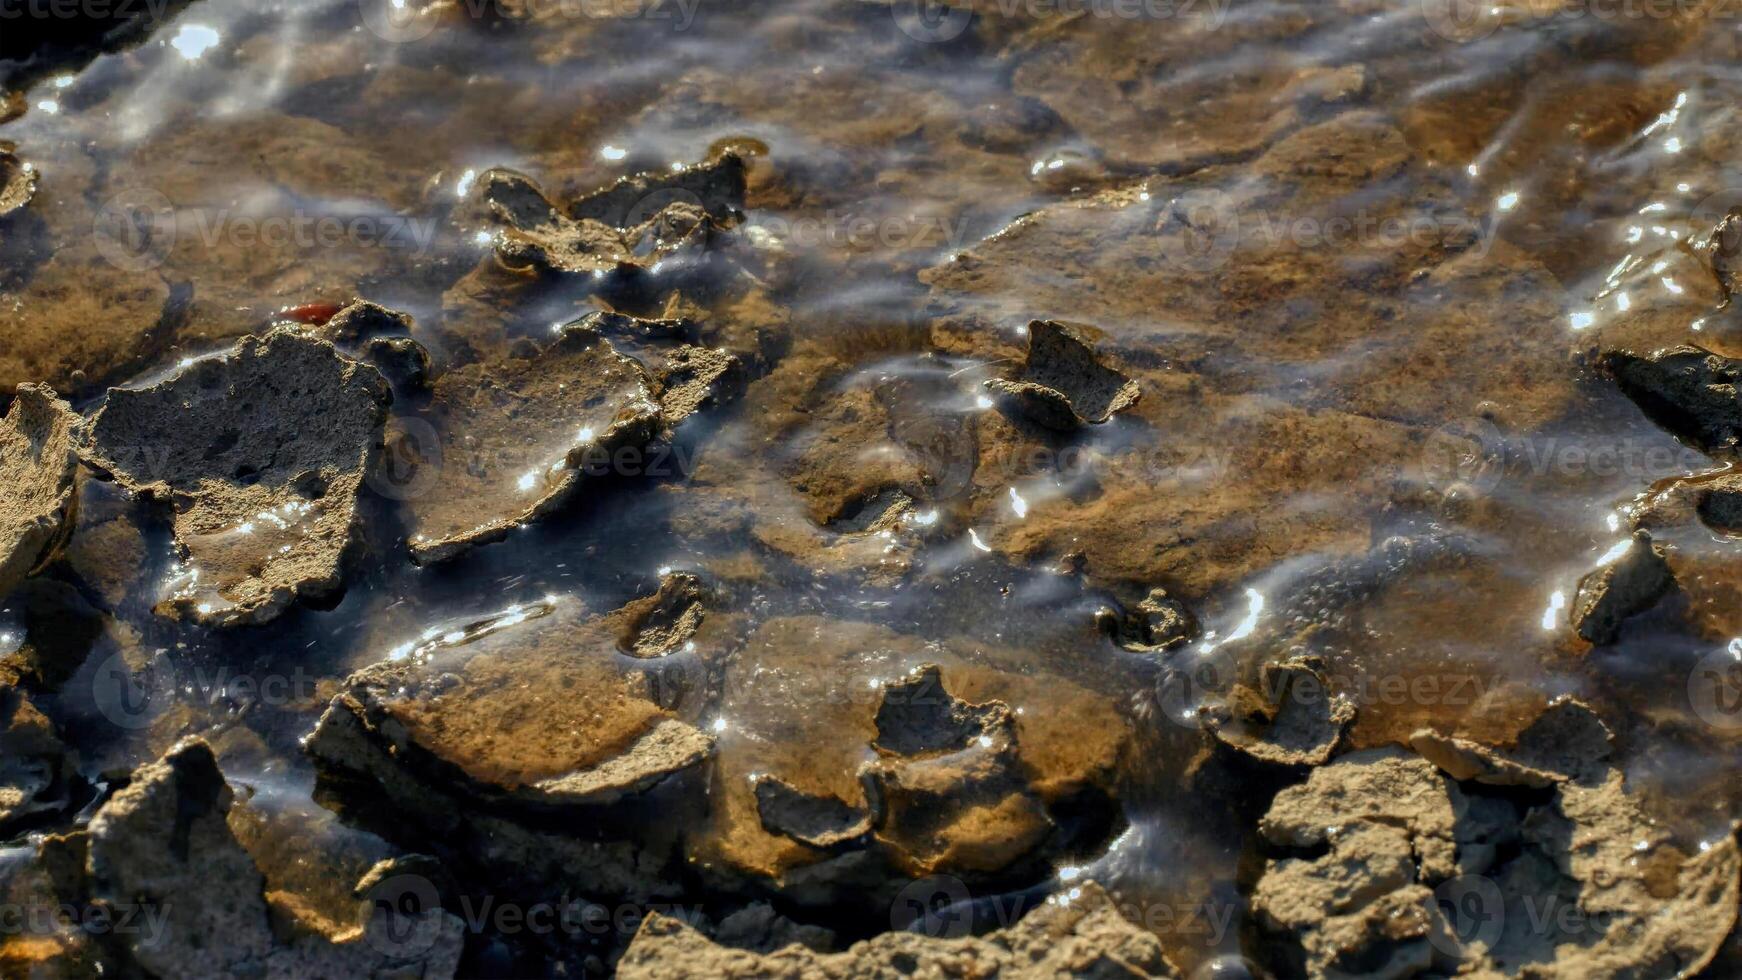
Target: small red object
313,314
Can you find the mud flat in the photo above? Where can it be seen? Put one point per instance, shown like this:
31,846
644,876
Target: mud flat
845,490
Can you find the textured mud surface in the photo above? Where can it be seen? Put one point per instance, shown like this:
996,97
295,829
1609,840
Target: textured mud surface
838,488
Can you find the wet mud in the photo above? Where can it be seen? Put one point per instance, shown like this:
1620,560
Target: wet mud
850,488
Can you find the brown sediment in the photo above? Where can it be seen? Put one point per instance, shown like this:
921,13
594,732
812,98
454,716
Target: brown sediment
260,454
36,464
837,568
1084,936
164,841
1409,866
519,436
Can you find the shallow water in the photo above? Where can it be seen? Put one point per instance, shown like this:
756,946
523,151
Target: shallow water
1357,256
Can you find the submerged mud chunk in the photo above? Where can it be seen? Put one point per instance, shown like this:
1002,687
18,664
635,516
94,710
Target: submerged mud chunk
402,360
1386,786
1358,910
518,436
482,731
660,624
1082,936
948,784
1063,385
163,843
1294,720
533,708
696,377
45,875
632,225
1713,498
1373,888
361,321
819,821
1568,741
960,785
17,183
36,481
60,630
716,187
40,43
36,768
1159,622
1625,587
917,716
1688,390
261,453
1724,245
